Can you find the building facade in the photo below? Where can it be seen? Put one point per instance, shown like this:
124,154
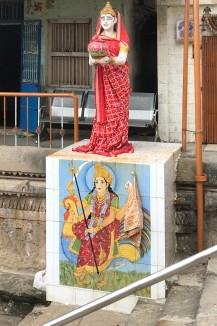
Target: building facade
50,40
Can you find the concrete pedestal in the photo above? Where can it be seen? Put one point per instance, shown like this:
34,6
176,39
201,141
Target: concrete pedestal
121,259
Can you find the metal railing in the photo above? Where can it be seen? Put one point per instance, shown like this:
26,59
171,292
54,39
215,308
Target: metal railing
38,130
130,289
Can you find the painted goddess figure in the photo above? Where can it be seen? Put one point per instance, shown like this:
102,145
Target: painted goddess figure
108,51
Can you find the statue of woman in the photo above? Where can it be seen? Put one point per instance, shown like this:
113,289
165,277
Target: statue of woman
108,51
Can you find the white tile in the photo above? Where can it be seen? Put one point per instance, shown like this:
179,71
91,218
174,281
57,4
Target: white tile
157,211
158,249
154,248
50,268
52,173
56,267
56,237
49,236
161,249
153,180
161,215
160,181
49,174
83,296
154,214
158,291
56,206
98,294
49,205
125,305
154,269
61,294
161,287
50,292
158,288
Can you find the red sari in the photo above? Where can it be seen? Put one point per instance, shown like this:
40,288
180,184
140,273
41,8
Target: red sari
104,242
109,135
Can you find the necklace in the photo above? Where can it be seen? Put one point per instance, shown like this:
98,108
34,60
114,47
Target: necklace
103,204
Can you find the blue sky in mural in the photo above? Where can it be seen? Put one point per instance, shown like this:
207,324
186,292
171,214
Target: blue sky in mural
121,173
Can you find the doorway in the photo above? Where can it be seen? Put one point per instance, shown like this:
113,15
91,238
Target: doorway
145,25
209,89
10,66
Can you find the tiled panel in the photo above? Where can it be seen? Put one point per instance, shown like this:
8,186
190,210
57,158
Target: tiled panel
125,264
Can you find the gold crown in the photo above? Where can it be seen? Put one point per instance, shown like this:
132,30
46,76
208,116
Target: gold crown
101,171
107,10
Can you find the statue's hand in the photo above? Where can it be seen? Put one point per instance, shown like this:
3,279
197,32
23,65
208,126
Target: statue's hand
94,62
104,61
90,230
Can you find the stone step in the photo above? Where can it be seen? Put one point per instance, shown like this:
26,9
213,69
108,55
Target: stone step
18,285
180,307
207,312
183,299
147,312
41,315
191,301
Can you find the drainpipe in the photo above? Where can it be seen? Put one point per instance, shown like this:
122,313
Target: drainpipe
199,177
185,77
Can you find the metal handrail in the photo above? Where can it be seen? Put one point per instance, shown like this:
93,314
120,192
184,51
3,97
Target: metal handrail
130,289
40,95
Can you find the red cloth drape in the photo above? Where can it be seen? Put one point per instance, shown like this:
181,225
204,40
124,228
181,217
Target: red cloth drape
109,135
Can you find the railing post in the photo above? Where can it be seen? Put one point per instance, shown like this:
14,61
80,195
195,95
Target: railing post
39,95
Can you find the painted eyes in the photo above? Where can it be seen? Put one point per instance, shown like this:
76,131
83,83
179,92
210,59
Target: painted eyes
104,18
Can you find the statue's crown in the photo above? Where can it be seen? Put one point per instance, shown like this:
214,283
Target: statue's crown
108,10
102,172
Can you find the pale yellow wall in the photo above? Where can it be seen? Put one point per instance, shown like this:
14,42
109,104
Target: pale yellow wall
170,71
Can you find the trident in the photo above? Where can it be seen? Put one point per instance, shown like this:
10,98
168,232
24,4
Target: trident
73,172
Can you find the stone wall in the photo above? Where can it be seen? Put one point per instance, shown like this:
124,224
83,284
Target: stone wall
170,69
186,203
23,207
22,231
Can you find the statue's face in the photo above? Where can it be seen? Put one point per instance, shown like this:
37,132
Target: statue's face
108,22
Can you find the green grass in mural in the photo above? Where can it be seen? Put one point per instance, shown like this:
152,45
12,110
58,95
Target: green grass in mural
109,281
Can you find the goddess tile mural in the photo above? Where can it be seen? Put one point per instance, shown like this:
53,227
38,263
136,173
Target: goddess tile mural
110,247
